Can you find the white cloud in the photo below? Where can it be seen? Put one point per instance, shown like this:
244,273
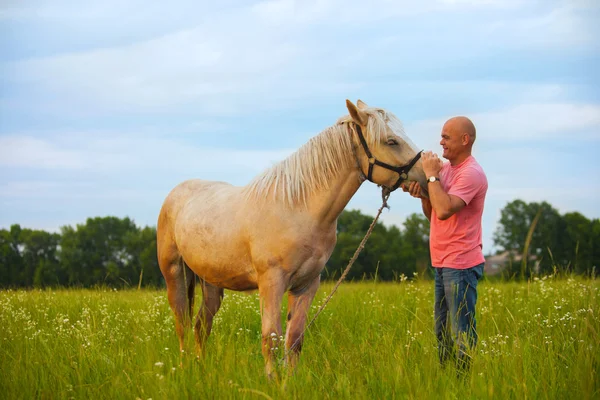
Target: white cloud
96,14
42,189
552,194
520,122
566,25
219,60
279,12
149,73
541,121
20,151
129,154
219,65
73,190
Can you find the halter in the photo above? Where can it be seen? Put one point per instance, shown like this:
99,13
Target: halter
402,170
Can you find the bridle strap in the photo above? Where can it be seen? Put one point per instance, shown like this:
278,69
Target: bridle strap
401,170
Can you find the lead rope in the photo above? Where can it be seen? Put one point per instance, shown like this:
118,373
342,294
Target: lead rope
385,195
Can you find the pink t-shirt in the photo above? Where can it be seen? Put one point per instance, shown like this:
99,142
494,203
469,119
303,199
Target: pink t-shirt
456,242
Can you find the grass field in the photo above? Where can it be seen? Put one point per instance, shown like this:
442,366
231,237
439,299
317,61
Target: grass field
538,340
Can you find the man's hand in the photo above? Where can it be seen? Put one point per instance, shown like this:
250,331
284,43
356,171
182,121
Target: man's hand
431,164
414,189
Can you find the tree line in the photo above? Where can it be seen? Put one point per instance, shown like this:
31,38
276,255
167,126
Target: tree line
116,252
567,243
104,251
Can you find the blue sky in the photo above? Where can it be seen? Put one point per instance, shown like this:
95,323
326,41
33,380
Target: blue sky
107,105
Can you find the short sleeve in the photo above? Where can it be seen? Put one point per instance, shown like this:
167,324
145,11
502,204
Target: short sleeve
468,183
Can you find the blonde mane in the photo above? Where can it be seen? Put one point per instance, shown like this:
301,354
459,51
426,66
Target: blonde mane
314,165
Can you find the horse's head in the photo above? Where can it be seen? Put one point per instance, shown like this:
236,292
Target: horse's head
385,154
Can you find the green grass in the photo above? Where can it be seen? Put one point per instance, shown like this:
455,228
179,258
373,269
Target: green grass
538,340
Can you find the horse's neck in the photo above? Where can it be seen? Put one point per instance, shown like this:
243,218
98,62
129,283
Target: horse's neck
328,204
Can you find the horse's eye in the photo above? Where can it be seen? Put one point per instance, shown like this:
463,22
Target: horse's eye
392,142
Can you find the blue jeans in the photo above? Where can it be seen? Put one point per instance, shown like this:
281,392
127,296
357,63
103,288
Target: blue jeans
455,300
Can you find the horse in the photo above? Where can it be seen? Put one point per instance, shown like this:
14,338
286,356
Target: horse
276,233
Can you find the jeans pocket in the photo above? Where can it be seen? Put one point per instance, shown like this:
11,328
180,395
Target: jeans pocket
478,271
472,275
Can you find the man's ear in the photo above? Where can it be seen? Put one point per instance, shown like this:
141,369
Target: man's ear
358,116
466,139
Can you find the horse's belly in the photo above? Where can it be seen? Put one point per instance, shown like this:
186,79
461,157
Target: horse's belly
221,266
230,277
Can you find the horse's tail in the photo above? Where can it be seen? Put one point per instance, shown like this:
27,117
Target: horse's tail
190,279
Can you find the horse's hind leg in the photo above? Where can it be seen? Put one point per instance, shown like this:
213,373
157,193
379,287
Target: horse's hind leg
211,301
298,307
180,282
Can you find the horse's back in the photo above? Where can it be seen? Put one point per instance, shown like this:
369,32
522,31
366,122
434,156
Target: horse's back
187,191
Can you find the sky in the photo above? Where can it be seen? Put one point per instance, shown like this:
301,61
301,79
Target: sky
106,105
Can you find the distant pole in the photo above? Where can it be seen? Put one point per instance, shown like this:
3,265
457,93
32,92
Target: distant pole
528,242
141,276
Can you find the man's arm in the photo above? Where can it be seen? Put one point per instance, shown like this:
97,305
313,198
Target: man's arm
464,188
426,204
444,204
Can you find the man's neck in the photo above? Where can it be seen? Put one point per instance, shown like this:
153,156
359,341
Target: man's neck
459,159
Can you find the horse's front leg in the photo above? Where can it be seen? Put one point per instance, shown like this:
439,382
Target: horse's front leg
271,287
298,307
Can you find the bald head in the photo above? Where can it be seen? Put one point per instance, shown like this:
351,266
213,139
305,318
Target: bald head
461,125
458,136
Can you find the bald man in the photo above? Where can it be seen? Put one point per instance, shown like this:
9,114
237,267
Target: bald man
457,192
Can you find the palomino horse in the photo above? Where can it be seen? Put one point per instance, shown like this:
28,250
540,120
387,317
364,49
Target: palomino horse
277,233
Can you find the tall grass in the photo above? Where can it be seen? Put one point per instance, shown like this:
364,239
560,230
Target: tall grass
374,340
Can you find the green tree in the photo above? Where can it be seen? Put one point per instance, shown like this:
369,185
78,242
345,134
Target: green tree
515,219
352,226
415,244
389,252
97,252
28,257
579,241
42,267
11,260
595,247
144,262
549,244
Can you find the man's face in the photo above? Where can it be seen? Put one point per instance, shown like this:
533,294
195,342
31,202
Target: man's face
451,141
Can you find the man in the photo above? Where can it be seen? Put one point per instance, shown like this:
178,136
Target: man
457,192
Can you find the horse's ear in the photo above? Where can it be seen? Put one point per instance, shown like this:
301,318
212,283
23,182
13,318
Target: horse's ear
361,104
358,116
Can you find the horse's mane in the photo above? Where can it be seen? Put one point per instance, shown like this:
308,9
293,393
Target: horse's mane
312,167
